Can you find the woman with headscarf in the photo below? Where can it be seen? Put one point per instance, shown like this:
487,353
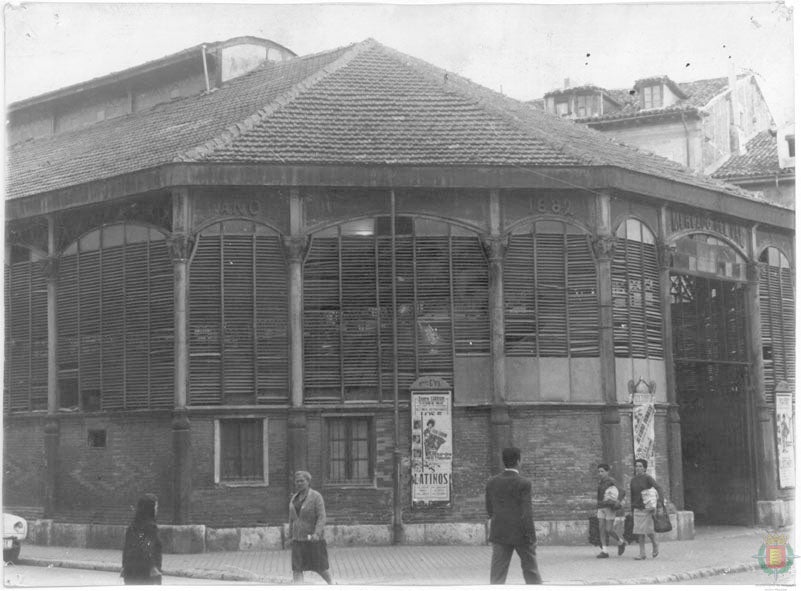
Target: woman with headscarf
141,554
306,523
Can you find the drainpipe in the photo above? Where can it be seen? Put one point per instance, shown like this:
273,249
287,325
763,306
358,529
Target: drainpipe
205,67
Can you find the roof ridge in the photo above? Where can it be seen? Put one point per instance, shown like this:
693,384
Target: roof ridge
235,130
488,99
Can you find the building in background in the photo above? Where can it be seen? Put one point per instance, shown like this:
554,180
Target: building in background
702,125
209,287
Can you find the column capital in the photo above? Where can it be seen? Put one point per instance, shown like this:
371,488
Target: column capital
180,246
296,247
603,247
754,271
495,247
664,254
49,268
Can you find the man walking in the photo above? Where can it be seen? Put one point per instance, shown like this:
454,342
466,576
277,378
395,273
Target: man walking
508,499
609,497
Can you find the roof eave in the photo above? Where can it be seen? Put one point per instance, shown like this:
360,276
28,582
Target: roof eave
593,178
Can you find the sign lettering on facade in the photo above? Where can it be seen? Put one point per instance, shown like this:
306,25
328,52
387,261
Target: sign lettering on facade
432,446
690,221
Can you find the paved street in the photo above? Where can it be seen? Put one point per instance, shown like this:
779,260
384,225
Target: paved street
716,551
42,576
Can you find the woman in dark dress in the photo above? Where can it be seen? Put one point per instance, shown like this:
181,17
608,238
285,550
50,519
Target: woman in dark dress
141,555
306,522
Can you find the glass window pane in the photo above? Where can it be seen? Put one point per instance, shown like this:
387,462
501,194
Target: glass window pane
364,227
426,227
134,234
113,235
633,231
237,227
90,242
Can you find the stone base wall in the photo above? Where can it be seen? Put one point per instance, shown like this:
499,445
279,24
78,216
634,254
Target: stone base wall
775,514
191,539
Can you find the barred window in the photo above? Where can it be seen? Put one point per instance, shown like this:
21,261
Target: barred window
636,308
25,331
441,287
115,320
550,287
350,450
238,316
241,452
777,310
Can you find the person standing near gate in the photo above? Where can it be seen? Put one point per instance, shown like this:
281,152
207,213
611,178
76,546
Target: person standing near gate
609,497
508,500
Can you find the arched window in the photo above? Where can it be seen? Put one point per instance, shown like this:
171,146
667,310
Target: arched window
550,289
115,320
26,331
238,316
441,291
777,309
636,308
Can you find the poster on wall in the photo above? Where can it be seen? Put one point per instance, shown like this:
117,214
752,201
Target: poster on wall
785,440
642,423
432,446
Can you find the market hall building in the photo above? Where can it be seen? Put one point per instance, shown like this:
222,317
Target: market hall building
233,262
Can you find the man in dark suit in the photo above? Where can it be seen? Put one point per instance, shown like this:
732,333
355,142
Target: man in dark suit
508,499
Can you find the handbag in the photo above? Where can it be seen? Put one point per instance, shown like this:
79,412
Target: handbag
662,519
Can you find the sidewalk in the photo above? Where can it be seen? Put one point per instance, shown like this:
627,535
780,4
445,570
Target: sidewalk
715,550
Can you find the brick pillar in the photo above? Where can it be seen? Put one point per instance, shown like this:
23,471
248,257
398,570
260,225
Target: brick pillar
296,247
51,444
500,423
180,250
765,437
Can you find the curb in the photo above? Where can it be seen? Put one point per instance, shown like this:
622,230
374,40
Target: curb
195,573
228,576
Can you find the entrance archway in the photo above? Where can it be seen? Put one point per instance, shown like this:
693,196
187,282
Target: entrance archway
711,376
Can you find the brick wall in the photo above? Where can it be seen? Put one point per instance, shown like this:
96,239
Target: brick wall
220,505
101,485
561,449
23,461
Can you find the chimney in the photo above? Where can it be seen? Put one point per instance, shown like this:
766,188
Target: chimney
567,82
736,132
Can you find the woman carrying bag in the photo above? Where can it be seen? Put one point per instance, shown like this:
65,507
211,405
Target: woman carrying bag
645,497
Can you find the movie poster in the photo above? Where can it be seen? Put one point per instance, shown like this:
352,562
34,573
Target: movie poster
642,423
432,446
785,456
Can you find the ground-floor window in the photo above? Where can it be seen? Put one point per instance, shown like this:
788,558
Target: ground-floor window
241,450
350,450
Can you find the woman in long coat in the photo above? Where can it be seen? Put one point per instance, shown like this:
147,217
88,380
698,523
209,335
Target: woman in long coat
141,554
306,523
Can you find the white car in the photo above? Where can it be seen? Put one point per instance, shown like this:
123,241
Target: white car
15,529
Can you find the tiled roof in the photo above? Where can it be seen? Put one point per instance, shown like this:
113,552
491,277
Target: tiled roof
699,93
363,104
761,158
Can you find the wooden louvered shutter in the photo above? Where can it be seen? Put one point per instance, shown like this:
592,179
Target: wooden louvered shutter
161,316
434,307
653,302
359,318
19,352
321,318
205,321
89,286
518,291
788,316
766,311
112,292
470,296
7,407
137,330
550,292
68,304
271,316
582,297
777,312
238,351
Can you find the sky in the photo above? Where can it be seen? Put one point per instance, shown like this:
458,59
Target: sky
523,50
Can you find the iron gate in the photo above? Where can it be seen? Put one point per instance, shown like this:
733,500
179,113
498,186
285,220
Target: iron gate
711,369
